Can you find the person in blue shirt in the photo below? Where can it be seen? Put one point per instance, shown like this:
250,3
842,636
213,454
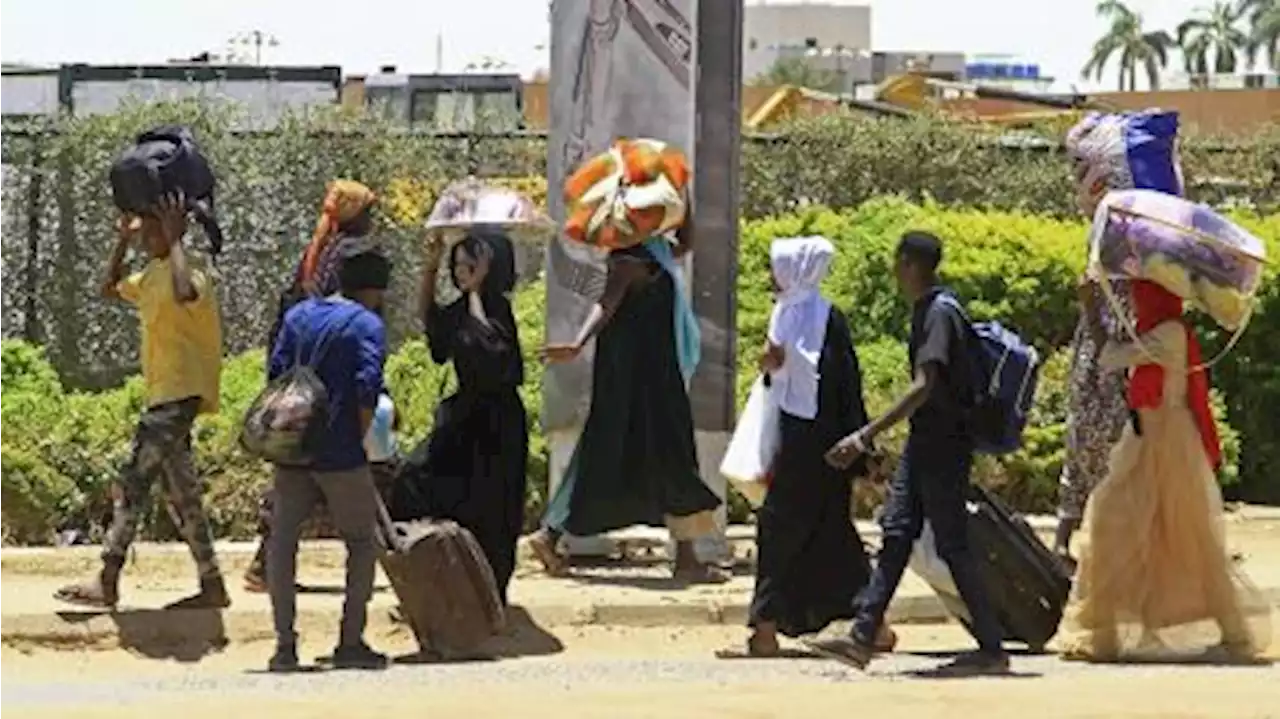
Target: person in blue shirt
343,338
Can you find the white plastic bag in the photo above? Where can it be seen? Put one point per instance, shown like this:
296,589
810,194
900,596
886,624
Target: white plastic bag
929,566
748,462
380,442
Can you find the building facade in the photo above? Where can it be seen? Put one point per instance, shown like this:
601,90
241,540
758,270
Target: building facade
773,32
443,103
264,93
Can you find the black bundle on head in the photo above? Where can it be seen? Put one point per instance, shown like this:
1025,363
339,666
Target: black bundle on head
364,267
494,244
163,161
922,249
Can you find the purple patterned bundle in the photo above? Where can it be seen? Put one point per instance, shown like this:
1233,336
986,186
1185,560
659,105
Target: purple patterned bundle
1188,249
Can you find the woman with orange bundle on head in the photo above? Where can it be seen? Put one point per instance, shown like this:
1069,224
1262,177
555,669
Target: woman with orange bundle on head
1155,579
636,461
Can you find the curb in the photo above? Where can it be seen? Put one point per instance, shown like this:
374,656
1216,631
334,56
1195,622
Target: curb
152,631
157,632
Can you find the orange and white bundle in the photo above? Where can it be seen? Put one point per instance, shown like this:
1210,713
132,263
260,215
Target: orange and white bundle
628,194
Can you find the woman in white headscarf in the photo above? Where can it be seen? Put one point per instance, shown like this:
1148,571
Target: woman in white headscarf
810,560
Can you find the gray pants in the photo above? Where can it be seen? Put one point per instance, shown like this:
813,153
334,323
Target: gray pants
351,498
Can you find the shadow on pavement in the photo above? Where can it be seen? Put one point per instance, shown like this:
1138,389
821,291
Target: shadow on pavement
944,672
333,589
523,638
184,635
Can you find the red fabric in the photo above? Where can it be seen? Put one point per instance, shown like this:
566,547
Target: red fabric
1154,305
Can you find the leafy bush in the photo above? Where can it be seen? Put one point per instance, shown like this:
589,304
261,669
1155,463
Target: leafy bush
25,369
270,185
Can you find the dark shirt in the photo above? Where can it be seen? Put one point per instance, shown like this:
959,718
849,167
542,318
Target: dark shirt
486,359
938,337
346,344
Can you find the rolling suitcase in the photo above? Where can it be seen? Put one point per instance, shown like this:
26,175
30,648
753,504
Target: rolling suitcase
1026,585
447,591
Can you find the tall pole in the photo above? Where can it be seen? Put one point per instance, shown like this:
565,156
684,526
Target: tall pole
717,130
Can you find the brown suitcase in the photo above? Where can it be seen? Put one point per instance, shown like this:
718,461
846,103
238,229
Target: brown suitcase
446,588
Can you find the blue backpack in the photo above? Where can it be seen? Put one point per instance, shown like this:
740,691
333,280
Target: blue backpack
1005,371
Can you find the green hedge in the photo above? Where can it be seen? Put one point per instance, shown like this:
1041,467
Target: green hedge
57,212
62,448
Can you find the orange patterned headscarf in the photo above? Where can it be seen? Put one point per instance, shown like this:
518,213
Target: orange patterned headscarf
344,200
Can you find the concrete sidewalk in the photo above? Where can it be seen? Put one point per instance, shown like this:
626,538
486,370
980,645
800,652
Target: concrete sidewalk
631,592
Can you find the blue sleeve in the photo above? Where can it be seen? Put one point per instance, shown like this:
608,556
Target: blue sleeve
371,351
282,351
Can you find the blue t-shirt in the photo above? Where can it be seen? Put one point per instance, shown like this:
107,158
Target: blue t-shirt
346,344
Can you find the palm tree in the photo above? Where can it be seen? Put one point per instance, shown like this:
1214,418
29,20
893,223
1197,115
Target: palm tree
1135,46
800,72
1214,31
1264,31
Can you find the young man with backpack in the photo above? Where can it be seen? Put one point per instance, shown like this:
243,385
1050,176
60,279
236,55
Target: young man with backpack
342,339
933,476
181,363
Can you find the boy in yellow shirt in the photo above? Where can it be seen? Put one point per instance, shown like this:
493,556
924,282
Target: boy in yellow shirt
181,361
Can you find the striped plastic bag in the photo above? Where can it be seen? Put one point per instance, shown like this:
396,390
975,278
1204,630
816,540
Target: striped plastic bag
622,197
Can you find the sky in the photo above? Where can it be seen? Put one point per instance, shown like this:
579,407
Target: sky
362,36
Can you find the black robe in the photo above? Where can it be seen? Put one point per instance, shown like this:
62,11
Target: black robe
472,467
810,560
636,461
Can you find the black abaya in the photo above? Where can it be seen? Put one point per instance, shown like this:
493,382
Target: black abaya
810,560
472,467
636,461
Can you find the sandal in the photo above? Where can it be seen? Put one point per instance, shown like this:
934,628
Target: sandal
544,549
212,595
92,594
255,583
752,653
702,574
886,640
1084,654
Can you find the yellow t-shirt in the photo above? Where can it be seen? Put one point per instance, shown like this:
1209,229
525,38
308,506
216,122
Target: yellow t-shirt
181,342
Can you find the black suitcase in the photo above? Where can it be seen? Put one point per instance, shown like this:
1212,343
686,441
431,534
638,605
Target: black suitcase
1026,584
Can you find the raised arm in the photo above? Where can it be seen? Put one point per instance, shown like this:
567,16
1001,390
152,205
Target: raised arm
172,213
125,228
433,252
436,323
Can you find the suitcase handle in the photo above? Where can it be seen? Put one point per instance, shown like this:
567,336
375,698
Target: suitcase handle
386,529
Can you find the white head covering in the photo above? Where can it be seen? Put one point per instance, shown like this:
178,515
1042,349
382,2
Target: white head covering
799,320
